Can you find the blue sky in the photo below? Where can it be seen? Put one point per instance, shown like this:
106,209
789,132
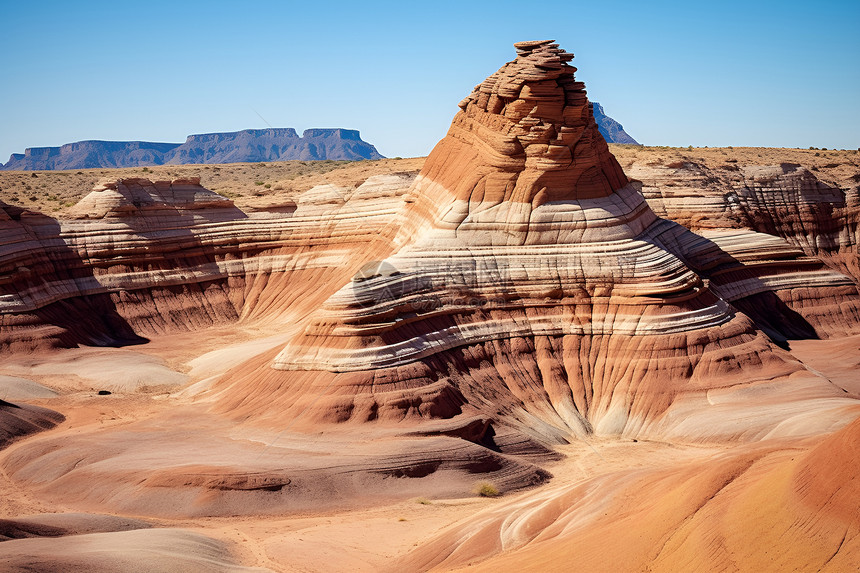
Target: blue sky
784,74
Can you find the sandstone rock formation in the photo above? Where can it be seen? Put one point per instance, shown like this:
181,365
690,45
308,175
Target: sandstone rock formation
761,509
520,295
17,421
119,548
532,283
785,200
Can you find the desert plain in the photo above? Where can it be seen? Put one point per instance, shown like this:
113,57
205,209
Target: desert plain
530,350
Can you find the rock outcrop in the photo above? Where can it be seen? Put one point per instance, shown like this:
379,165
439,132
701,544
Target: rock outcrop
785,200
518,294
250,145
19,420
531,282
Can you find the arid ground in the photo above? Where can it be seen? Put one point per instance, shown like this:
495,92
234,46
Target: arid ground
252,184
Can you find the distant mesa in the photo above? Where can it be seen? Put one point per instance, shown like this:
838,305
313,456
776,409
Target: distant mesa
249,145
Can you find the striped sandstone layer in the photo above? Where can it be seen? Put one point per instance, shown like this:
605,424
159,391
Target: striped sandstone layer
533,285
518,294
143,258
773,507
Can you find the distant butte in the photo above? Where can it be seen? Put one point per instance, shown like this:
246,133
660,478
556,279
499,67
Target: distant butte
250,145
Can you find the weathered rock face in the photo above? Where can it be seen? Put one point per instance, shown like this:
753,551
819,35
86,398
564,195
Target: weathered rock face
17,421
144,257
519,293
531,283
91,282
785,200
521,280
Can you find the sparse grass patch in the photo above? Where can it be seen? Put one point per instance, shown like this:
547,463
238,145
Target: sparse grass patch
486,489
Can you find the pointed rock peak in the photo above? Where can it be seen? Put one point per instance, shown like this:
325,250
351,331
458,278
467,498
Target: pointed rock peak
525,136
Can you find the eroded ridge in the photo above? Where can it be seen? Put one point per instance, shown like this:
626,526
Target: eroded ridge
530,281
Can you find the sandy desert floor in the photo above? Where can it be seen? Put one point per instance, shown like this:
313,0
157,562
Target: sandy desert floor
371,535
149,380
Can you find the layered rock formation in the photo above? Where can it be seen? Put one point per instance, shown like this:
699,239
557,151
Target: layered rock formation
532,283
102,544
518,294
785,200
250,145
17,421
762,509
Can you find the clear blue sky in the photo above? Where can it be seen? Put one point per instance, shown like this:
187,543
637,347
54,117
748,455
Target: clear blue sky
673,73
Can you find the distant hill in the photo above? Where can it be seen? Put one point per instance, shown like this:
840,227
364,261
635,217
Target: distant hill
611,130
250,145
